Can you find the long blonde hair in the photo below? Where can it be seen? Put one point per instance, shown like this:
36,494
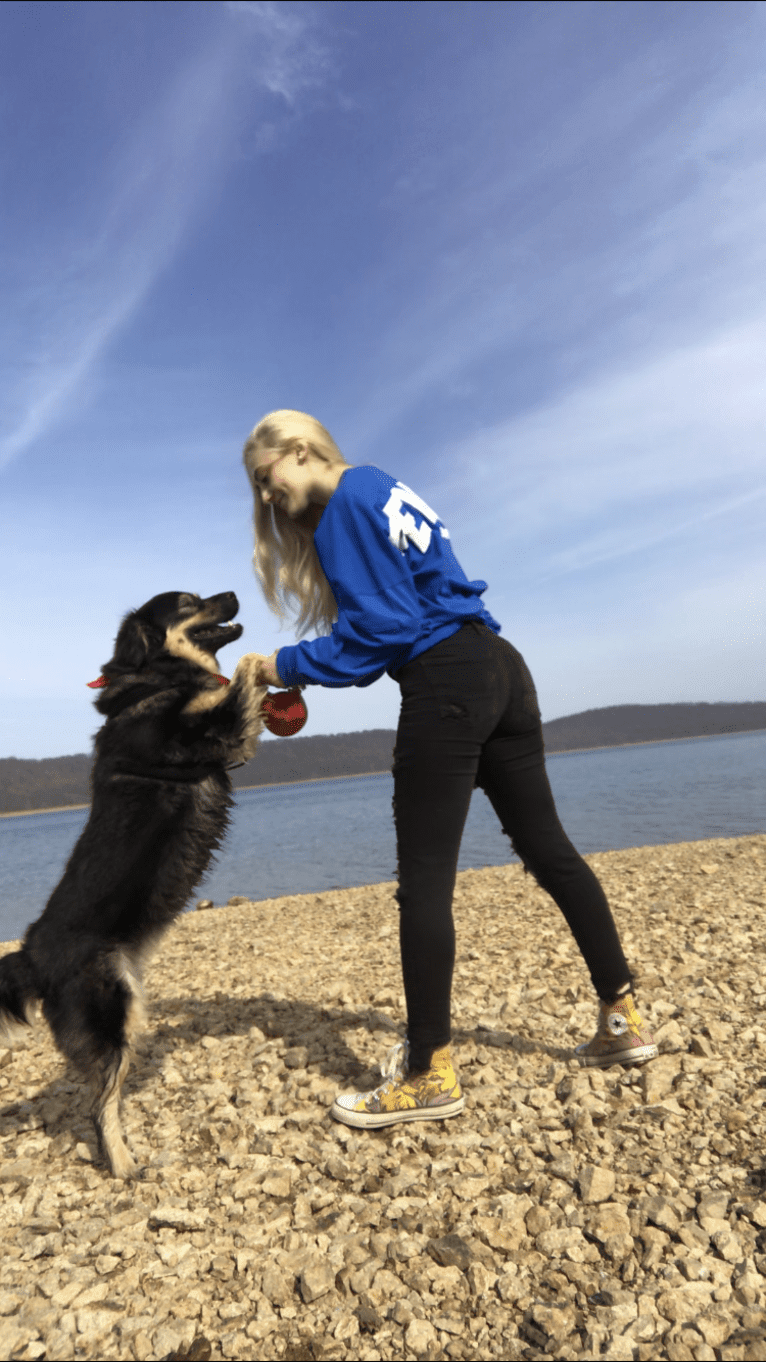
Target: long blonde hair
285,560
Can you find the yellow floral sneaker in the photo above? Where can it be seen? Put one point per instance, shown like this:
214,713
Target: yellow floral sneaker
403,1096
622,1037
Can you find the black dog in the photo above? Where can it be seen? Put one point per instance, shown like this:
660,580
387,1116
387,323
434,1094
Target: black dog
160,807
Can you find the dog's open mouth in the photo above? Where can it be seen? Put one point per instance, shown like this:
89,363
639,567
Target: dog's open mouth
213,627
211,637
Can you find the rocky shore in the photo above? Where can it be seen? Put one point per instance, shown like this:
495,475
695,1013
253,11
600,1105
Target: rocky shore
566,1214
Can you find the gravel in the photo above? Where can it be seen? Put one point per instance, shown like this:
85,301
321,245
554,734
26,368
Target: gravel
567,1213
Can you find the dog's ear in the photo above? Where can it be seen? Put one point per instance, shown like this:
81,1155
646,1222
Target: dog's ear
136,643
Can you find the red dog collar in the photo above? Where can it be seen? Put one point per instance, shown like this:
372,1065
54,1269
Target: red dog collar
284,713
101,681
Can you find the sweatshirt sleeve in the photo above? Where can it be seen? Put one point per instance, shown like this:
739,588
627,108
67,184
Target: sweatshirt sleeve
379,614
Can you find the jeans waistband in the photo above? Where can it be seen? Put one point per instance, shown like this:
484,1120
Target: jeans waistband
476,625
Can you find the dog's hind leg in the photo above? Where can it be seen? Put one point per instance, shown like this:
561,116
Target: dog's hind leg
111,1072
106,1115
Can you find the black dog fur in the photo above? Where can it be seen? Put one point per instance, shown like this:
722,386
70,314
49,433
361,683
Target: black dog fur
161,797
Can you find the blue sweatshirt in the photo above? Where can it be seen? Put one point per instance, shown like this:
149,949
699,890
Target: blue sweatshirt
398,586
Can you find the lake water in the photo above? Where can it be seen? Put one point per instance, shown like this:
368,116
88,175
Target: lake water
294,839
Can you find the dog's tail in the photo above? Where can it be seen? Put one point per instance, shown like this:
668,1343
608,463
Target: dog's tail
18,993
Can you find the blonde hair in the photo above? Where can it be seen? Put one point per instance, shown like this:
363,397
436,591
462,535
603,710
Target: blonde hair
285,560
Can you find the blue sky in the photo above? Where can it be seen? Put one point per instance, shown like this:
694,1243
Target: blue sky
515,254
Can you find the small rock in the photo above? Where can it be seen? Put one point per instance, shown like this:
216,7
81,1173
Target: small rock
537,1220
682,1306
715,1329
401,1182
174,1337
204,903
670,1037
555,1320
420,1336
757,1213
276,1287
106,1263
657,1078
510,1286
176,1218
713,1205
563,1168
606,1219
316,1280
347,1328
19,1170
93,1295
12,1337
402,1313
94,1325
702,1046
618,1247
449,1324
596,1184
661,1213
199,1350
384,1287
369,1320
617,1316
566,1242
480,1279
277,1184
728,1244
450,1251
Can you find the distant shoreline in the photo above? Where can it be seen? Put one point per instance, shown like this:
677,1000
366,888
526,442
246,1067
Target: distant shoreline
356,775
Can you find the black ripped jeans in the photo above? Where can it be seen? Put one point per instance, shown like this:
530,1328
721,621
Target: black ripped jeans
470,717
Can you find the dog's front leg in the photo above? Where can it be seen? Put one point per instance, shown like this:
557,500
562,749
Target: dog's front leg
247,693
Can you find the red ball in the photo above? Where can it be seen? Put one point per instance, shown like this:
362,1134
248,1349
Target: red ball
284,712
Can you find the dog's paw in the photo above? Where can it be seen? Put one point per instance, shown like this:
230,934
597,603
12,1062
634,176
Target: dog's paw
248,671
14,1035
123,1165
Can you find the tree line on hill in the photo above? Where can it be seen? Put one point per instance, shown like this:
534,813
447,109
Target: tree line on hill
56,782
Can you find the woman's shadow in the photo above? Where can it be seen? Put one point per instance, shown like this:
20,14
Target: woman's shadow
62,1106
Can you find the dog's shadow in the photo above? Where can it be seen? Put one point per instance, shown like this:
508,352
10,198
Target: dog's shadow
62,1106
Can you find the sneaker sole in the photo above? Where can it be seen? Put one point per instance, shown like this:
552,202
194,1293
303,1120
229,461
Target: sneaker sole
364,1120
639,1055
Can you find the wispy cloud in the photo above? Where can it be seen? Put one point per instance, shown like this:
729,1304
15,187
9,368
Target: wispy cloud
68,308
633,225
291,58
630,459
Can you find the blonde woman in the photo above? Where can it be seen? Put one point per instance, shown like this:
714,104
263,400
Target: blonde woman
360,558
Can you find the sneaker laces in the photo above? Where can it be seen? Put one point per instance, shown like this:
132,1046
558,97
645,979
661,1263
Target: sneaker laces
395,1060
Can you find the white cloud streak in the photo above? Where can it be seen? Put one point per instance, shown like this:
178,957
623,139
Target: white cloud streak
630,459
601,236
70,309
291,59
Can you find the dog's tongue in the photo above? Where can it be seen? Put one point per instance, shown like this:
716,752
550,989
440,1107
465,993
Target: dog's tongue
285,712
